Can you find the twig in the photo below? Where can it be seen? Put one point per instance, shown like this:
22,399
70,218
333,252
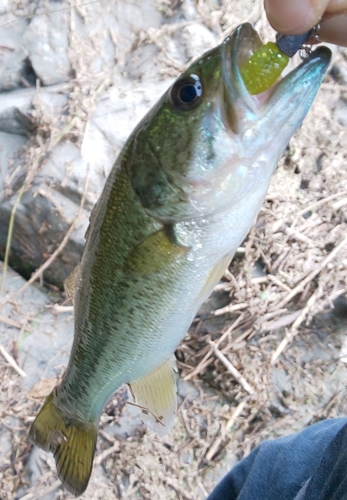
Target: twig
240,338
107,437
294,330
10,233
278,282
202,487
267,317
206,359
218,442
319,203
145,411
12,362
183,493
339,204
54,255
61,309
230,308
299,288
231,368
10,322
106,453
33,493
286,320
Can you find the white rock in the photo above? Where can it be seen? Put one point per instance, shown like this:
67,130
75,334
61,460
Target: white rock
47,335
198,39
10,148
14,68
46,40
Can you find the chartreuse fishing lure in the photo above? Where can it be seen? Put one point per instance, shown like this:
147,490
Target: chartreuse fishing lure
178,202
265,66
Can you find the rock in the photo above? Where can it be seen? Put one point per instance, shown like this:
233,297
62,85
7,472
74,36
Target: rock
13,120
339,74
15,69
12,29
103,36
44,346
340,112
136,67
127,425
198,40
11,147
186,391
132,17
189,10
35,466
39,228
5,444
46,40
216,474
4,6
281,381
123,106
338,68
16,108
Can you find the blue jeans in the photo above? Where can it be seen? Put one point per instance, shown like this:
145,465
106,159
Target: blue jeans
309,465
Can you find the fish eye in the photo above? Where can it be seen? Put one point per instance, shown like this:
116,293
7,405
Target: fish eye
187,93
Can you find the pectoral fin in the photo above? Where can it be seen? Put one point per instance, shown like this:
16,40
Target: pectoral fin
156,396
154,253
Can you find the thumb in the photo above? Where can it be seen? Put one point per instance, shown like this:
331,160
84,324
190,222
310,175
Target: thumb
293,17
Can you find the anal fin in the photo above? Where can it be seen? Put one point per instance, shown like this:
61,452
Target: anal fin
156,395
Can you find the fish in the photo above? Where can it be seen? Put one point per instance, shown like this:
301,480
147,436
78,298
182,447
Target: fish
180,199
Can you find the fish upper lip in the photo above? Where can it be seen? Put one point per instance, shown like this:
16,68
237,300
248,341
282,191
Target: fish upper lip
237,49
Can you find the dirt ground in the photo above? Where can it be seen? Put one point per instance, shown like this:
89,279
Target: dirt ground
267,353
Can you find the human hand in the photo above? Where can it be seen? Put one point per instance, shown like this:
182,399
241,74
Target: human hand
293,17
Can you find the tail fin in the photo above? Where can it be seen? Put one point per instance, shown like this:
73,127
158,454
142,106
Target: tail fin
73,445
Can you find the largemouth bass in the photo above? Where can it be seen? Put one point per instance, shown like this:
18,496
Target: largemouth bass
179,201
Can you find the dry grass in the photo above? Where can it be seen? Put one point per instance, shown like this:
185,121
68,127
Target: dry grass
298,248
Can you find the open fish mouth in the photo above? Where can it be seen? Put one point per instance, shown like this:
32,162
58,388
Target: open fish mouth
296,89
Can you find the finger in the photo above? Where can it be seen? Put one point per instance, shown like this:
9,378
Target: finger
334,30
293,17
336,6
